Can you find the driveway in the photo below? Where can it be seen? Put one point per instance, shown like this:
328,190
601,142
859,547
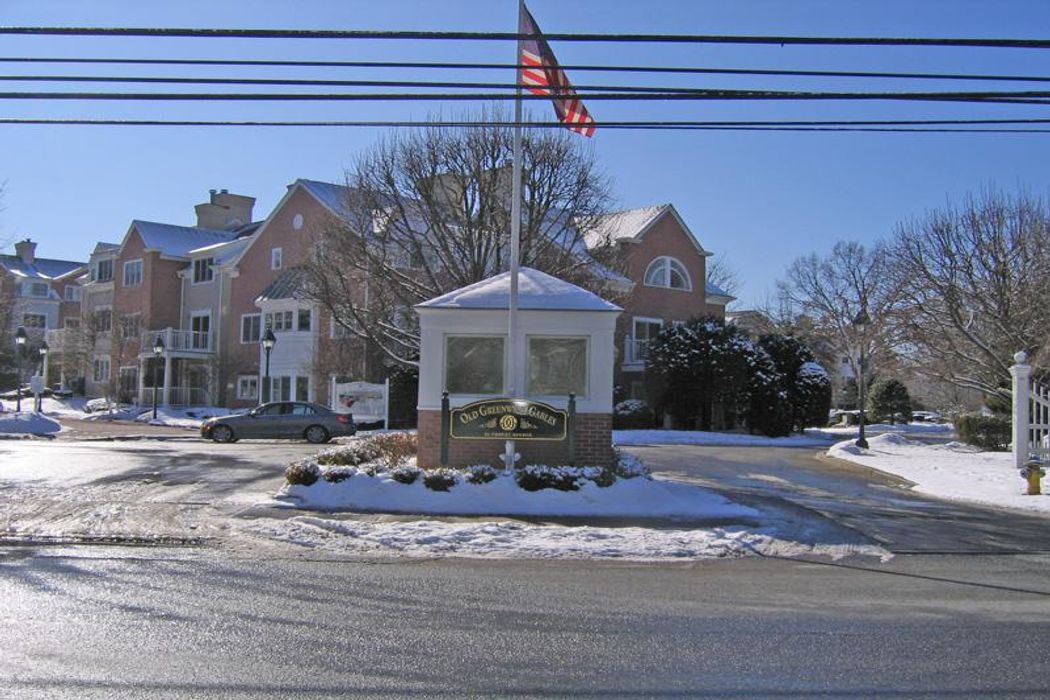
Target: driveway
875,505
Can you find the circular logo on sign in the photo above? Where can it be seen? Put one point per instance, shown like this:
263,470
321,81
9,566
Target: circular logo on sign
508,423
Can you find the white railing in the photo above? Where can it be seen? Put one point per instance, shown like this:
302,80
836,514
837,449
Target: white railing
1031,414
178,340
177,396
634,351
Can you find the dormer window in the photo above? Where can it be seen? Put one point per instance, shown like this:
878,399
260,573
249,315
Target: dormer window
203,270
667,272
102,271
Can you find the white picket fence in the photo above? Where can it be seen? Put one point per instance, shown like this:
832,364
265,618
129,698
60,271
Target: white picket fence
1031,414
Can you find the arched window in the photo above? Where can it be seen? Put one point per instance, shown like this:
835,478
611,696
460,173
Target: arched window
667,272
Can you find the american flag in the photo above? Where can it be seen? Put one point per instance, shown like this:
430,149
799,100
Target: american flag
542,76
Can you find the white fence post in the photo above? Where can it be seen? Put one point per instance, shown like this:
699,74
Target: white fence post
1022,375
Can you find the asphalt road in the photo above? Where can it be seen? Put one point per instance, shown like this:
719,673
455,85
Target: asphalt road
962,611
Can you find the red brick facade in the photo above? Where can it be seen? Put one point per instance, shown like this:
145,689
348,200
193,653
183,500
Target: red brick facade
593,445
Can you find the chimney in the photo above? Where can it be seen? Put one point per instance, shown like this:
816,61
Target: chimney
26,250
224,210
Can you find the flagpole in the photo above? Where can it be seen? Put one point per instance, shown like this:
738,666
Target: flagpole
515,236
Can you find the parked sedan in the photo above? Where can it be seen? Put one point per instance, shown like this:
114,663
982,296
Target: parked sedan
281,419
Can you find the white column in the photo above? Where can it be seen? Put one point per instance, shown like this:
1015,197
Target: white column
1022,375
166,396
143,368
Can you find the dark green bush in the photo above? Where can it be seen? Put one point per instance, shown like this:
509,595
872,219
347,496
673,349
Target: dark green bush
334,475
534,477
889,402
632,414
481,473
302,473
439,479
986,432
405,474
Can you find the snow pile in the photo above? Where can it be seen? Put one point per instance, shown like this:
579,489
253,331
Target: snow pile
28,424
72,407
917,427
513,539
953,471
701,437
189,417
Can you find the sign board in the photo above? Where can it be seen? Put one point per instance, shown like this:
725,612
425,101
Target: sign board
367,402
36,384
508,419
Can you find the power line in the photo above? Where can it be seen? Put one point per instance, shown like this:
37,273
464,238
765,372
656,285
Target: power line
415,65
513,36
1022,97
928,125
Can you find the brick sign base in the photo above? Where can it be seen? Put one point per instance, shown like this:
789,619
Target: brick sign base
593,445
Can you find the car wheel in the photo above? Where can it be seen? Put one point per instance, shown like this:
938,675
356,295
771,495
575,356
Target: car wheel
316,434
222,433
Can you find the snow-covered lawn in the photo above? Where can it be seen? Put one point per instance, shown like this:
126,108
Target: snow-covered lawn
28,424
73,407
953,471
813,437
189,417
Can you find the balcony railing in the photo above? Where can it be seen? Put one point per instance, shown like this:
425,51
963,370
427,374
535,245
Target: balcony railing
634,351
177,340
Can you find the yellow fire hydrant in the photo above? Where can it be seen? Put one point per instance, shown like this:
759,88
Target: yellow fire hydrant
1033,471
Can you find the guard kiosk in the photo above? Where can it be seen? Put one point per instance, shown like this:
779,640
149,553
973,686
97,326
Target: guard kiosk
565,349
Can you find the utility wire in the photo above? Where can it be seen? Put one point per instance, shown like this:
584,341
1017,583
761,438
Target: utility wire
640,123
699,126
1023,97
513,36
415,65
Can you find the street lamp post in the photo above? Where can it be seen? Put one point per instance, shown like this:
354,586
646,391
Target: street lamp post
268,341
20,342
43,362
158,350
860,323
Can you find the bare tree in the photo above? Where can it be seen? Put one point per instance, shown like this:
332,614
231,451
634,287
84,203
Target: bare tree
975,281
824,296
723,275
428,211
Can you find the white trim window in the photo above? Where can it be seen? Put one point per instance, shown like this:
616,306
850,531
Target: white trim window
304,317
203,270
251,328
130,326
248,386
100,368
280,321
200,329
556,366
39,289
72,292
276,258
34,320
667,272
102,319
474,364
132,273
102,270
643,331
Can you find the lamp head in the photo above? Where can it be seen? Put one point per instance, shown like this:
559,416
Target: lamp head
158,346
269,340
44,348
20,336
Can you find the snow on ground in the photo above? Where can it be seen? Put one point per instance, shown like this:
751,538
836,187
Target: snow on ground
953,471
28,424
189,417
73,407
702,437
514,539
813,437
638,497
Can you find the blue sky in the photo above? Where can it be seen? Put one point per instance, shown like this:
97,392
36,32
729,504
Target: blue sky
758,199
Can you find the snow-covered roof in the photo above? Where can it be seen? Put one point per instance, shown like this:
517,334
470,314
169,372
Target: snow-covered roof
40,268
333,196
537,291
623,225
222,252
713,289
177,241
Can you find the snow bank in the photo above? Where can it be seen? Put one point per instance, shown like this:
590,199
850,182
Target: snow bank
72,407
28,424
638,497
952,471
189,417
940,429
701,437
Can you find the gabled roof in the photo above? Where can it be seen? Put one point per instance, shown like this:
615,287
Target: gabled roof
102,247
713,289
40,268
288,285
633,224
536,291
332,196
177,241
